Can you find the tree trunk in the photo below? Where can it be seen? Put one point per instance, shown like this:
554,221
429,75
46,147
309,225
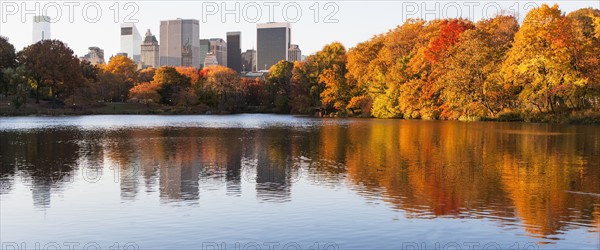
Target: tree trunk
551,102
538,107
37,93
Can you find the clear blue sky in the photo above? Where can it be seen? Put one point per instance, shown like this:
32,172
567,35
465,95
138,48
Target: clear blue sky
349,22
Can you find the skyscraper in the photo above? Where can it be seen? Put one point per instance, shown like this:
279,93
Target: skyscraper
131,40
150,51
41,28
249,60
218,47
234,51
204,49
273,41
180,42
294,53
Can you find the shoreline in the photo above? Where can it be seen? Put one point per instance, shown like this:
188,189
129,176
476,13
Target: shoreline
574,118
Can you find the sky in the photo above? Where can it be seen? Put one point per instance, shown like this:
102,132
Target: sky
82,24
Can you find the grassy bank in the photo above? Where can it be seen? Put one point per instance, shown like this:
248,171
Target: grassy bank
47,108
109,108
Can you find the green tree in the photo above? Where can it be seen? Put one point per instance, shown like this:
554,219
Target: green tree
279,84
17,79
8,59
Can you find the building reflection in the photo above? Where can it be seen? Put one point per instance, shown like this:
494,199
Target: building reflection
272,152
542,179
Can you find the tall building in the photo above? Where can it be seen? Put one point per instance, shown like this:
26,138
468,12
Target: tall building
204,49
234,51
294,53
249,60
273,41
218,47
150,51
180,42
41,28
131,40
94,56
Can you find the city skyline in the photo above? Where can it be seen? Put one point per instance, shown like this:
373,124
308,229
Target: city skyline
310,35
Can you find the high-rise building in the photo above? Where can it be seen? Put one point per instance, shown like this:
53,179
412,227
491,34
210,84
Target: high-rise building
131,40
294,53
234,51
218,47
273,41
204,49
41,28
180,42
249,60
150,51
94,56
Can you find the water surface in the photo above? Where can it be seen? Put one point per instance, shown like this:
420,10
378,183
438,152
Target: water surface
270,181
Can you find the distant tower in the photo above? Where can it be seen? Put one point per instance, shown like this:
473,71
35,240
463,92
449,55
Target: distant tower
249,60
41,28
294,53
218,47
150,51
273,42
234,51
180,42
131,41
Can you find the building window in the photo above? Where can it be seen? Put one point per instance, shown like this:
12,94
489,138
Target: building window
126,31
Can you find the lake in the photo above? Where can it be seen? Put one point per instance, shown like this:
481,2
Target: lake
286,182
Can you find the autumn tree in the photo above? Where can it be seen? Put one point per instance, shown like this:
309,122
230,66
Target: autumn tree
449,33
540,63
123,67
586,54
145,92
336,93
125,70
361,65
302,86
330,59
171,85
225,84
88,90
89,71
256,92
192,72
52,64
389,71
469,73
146,75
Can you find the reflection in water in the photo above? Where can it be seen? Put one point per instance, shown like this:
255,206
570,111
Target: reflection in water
543,178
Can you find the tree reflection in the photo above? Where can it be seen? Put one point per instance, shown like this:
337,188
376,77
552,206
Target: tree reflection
44,159
542,177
